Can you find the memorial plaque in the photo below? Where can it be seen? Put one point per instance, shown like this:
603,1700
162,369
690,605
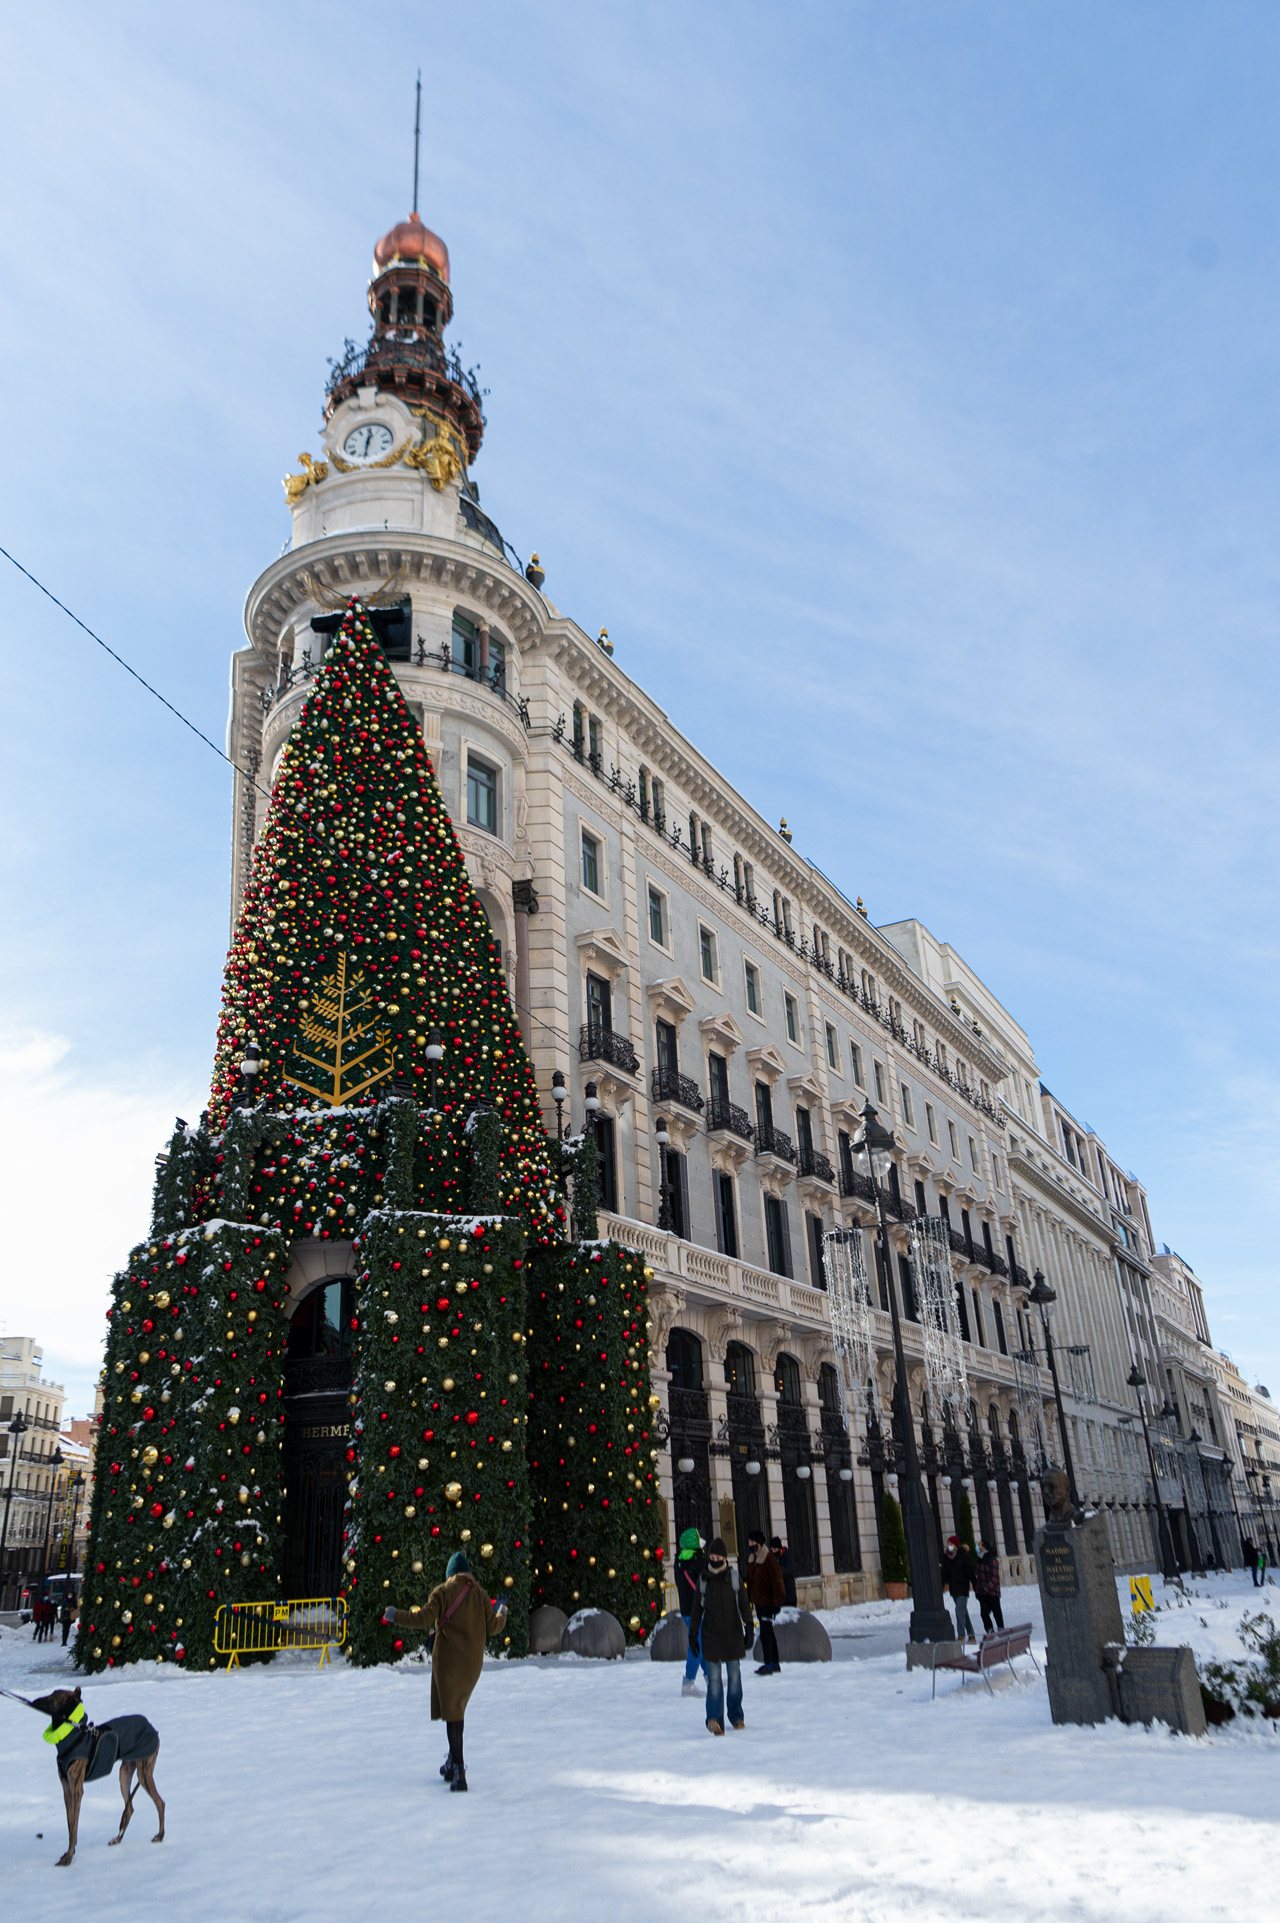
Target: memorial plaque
1161,1686
1081,1617
1057,1568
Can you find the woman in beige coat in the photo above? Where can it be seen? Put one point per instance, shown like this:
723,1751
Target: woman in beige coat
463,1619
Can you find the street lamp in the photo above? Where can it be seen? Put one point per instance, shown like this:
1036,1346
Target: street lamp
17,1429
250,1063
1045,1298
930,1622
1168,1561
591,1102
559,1095
55,1463
665,1218
434,1052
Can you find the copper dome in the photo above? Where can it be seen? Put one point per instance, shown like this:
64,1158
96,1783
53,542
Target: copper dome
414,244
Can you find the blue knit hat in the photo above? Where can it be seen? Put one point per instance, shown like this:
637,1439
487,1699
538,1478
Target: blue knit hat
457,1564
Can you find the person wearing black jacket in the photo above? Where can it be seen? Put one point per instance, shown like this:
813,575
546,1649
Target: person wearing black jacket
721,1619
787,1564
986,1587
957,1576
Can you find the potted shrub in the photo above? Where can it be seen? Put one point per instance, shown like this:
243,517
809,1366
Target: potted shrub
894,1568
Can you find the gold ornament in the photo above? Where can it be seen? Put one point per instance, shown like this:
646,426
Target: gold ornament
486,1549
150,1454
296,485
465,1535
162,1298
452,1491
447,1383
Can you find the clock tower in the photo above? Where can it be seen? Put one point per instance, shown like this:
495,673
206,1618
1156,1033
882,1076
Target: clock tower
387,507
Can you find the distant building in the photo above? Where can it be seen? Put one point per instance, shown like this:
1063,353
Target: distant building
33,1482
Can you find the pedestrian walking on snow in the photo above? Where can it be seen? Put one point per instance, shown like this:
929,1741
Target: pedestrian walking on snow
768,1595
722,1623
66,1616
787,1564
463,1618
1260,1568
986,1586
957,1576
689,1571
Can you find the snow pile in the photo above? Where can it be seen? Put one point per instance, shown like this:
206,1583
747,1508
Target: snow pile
848,1798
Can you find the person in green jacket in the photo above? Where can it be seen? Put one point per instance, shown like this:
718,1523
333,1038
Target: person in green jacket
689,1569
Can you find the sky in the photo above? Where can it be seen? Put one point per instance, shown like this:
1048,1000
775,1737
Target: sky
897,384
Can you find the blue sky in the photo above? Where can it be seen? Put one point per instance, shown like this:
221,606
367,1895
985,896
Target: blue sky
898,385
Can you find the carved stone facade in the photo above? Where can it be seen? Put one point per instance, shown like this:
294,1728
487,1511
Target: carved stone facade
666,943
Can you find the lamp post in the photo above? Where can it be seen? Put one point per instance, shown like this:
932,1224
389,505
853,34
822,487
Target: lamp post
75,1483
1168,1561
930,1622
1045,1298
17,1429
55,1463
434,1052
559,1095
666,1220
250,1063
591,1102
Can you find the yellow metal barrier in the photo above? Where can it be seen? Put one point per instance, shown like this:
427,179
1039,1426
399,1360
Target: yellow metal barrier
251,1629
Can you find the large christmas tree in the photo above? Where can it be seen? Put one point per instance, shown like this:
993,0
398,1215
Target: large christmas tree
360,938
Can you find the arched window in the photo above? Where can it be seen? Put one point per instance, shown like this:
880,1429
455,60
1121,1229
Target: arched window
740,1369
993,1420
321,1323
786,1380
1015,1433
684,1359
829,1396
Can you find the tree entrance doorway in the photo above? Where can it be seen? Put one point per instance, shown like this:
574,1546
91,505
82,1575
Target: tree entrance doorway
317,1417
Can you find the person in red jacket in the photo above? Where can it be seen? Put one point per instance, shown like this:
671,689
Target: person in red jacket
768,1594
986,1586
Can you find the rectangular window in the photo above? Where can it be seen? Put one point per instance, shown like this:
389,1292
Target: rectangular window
833,1049
855,1056
777,1235
726,1214
755,994
678,1193
657,916
1002,1340
995,1171
607,1163
595,754
817,1264
659,804
708,859
718,1080
599,1004
707,954
482,796
955,1140
793,1018
668,1049
881,1095
974,1163
644,794
591,863
907,1115
764,1106
931,1123
749,884
804,1131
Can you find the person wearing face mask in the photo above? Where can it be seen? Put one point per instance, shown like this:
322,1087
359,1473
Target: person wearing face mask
768,1595
721,1619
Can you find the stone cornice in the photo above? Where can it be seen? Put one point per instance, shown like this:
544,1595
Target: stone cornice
1061,1199
364,558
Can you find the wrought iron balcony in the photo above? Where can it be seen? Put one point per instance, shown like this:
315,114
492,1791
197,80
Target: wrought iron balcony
670,1087
854,1183
724,1115
599,1044
812,1163
772,1141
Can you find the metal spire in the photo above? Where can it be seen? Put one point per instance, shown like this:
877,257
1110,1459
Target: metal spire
417,136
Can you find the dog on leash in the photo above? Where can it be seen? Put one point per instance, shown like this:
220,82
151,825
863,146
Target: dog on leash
88,1751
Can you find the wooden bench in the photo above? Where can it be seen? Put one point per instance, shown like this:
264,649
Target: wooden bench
1001,1646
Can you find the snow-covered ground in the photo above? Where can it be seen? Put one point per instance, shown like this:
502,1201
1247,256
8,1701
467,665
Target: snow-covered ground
598,1795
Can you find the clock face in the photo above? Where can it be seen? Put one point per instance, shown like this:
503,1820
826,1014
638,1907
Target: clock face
368,442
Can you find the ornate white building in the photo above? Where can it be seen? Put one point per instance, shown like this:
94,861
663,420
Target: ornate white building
680,963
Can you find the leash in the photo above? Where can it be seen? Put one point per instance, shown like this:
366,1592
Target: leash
15,1698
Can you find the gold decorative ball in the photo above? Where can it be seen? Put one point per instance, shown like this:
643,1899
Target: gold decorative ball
465,1535
149,1455
417,1568
508,1582
447,1383
115,1642
452,1491
162,1298
410,1510
486,1549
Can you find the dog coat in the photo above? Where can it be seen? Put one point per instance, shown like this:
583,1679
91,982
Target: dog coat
125,1739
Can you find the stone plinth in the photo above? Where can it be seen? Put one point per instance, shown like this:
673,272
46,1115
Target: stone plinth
801,1638
546,1627
594,1632
1081,1617
1160,1686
